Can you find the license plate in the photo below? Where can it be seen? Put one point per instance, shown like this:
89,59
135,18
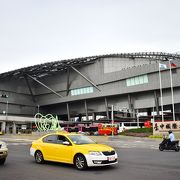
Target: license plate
111,158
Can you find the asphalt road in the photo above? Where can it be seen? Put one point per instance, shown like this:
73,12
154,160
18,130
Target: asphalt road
134,163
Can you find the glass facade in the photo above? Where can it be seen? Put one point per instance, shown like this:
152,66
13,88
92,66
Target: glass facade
137,80
85,90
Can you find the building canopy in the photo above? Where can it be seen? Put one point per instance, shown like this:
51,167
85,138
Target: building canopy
48,69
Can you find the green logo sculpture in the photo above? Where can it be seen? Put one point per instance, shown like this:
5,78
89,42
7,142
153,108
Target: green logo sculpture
47,122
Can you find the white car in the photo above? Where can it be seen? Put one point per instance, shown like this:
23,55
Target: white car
3,152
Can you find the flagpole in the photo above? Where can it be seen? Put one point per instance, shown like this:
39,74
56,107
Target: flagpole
160,84
172,93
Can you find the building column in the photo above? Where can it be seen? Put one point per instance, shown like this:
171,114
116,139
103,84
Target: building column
3,127
131,106
7,128
14,128
106,106
86,110
68,113
149,111
156,102
94,116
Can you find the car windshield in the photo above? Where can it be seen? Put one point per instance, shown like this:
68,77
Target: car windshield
80,139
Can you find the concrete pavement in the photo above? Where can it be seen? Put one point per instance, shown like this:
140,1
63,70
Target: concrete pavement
99,139
115,141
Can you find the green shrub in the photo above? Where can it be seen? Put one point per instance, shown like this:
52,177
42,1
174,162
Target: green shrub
141,132
156,136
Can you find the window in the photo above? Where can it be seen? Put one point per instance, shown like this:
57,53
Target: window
128,82
137,80
50,139
62,139
80,139
55,139
145,79
132,82
85,90
141,80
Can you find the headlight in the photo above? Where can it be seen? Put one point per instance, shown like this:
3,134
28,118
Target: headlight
3,145
95,153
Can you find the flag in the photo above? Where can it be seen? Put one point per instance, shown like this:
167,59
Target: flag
173,65
162,66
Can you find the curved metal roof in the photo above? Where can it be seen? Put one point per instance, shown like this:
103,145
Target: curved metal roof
47,69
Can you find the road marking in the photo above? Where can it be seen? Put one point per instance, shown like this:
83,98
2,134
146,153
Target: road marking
17,144
138,141
11,139
154,148
134,144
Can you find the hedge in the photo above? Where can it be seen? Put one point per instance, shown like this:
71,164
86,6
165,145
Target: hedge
141,132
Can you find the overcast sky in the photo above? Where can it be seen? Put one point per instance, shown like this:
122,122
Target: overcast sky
38,31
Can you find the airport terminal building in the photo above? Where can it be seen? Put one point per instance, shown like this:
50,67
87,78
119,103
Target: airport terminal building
85,88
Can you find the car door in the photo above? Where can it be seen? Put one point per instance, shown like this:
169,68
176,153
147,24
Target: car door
64,151
49,147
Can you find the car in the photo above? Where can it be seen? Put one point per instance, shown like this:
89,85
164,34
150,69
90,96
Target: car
72,148
3,152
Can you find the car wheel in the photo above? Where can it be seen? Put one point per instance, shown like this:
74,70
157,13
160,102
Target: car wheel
177,148
39,157
161,148
80,162
2,161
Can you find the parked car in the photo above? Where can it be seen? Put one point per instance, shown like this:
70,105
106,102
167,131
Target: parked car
3,152
72,148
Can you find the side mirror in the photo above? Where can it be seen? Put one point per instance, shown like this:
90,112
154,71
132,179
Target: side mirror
66,143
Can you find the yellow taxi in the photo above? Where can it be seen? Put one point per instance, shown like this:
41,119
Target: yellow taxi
72,148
